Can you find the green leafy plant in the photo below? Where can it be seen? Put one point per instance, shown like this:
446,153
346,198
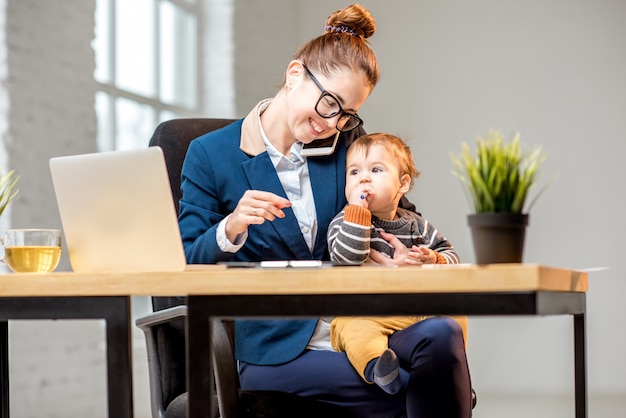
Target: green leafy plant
7,189
500,176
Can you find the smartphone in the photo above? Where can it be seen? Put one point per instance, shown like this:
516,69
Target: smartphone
291,263
320,147
239,264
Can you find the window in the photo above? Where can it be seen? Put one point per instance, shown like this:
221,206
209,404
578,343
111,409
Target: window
146,67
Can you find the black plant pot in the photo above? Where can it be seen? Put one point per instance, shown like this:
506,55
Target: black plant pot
498,237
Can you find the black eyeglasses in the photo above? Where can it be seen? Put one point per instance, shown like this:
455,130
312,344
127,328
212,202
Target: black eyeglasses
328,106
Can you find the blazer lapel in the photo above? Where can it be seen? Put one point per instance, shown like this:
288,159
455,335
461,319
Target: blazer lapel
262,176
326,184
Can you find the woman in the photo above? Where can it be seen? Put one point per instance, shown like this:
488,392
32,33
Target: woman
252,191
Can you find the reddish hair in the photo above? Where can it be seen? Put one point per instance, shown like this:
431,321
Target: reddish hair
343,45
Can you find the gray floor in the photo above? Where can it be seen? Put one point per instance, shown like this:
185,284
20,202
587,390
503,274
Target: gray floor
499,406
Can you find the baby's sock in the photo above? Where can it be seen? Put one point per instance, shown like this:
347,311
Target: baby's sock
387,372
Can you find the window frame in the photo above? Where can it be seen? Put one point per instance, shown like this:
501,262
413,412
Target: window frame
161,109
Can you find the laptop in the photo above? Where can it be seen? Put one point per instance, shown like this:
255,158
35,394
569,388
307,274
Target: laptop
117,211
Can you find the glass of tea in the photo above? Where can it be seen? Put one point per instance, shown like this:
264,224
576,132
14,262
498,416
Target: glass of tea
32,250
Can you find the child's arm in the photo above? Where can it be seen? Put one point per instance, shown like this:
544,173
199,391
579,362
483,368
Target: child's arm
349,236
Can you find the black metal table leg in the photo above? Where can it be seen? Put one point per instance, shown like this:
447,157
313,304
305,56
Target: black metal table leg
115,310
4,369
200,373
119,359
580,366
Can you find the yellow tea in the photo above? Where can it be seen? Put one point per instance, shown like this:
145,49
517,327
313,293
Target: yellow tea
32,258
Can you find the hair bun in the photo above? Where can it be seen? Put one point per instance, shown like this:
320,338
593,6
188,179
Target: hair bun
355,20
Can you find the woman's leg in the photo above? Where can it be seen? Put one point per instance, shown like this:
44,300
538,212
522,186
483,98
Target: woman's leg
327,376
439,384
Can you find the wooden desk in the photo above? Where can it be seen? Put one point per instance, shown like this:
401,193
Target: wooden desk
68,295
62,296
439,290
219,292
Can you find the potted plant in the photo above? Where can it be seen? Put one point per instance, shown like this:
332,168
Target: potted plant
7,192
497,182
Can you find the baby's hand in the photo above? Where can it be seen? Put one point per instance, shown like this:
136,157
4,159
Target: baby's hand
361,196
421,255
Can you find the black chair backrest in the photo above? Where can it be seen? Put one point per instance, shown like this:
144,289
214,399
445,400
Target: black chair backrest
174,137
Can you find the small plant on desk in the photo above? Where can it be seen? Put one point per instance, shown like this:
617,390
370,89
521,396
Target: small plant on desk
7,189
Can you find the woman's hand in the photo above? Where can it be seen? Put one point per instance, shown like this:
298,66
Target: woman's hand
254,207
400,253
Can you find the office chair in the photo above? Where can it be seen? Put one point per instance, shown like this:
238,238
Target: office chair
164,329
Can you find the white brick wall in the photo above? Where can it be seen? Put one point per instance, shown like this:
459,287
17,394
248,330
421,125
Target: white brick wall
51,90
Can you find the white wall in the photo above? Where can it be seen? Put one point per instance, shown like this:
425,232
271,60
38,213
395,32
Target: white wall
51,97
553,70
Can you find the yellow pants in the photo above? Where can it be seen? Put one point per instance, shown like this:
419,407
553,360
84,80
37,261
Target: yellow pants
365,338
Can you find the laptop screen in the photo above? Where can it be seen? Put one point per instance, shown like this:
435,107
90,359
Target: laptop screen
118,212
